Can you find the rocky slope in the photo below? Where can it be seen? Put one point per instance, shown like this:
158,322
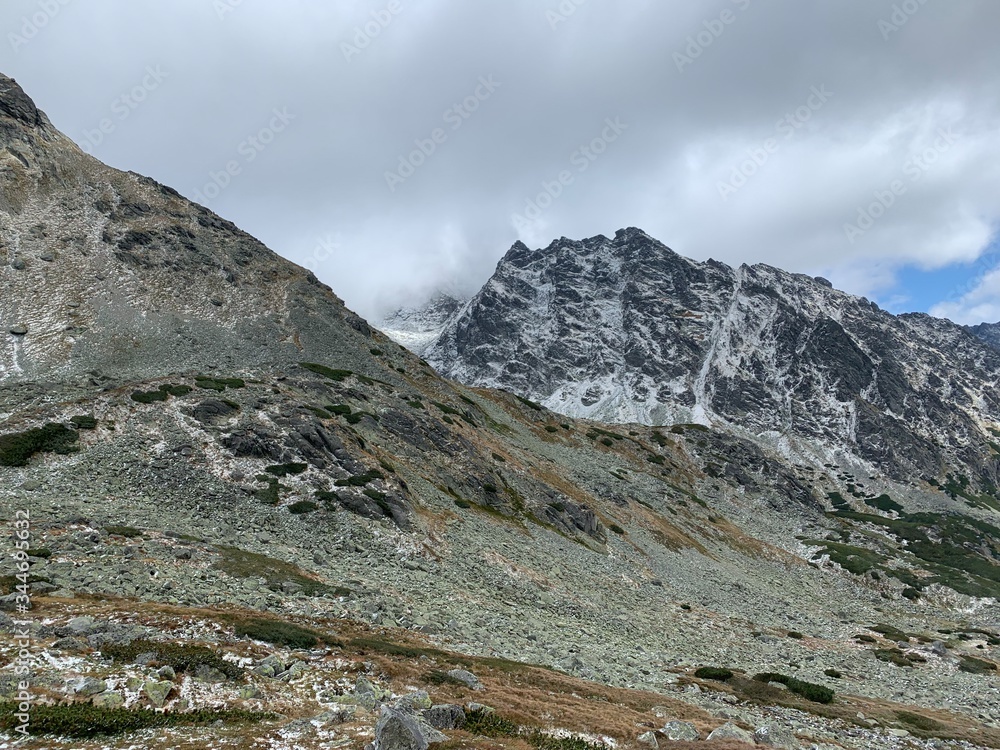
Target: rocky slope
625,330
191,449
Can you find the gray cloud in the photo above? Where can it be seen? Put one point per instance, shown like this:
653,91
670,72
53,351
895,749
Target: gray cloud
317,191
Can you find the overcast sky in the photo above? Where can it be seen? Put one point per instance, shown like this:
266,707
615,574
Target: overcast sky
397,146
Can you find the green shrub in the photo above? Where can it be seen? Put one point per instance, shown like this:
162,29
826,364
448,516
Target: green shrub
616,529
84,720
360,480
271,494
923,723
125,531
893,656
795,634
277,632
833,673
607,441
498,457
884,503
713,673
17,449
148,397
183,657
240,563
972,665
302,506
808,690
339,409
327,372
490,724
85,422
176,390
462,503
218,384
284,470
529,403
551,428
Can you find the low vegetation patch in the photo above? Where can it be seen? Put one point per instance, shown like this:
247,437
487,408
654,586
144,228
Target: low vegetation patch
808,690
84,422
713,673
84,721
277,632
302,507
972,665
240,563
284,470
17,449
182,657
218,384
330,373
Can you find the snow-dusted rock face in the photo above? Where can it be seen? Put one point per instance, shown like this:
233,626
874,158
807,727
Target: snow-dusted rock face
626,330
418,328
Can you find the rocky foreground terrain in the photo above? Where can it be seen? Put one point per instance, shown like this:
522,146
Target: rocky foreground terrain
242,517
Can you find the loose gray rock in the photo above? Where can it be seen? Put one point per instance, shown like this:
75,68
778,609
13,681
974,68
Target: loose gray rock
397,730
730,731
774,735
109,699
157,692
90,686
445,716
681,730
19,329
648,739
466,677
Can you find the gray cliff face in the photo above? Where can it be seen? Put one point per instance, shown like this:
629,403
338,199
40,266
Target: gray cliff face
623,329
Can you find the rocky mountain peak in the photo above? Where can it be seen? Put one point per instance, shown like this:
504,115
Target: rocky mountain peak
16,104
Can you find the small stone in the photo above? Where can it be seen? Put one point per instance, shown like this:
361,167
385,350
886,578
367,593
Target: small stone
90,686
19,329
48,257
416,701
648,739
774,735
80,625
397,730
71,645
681,730
166,673
109,699
445,716
466,677
157,692
18,265
206,673
730,731
30,485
